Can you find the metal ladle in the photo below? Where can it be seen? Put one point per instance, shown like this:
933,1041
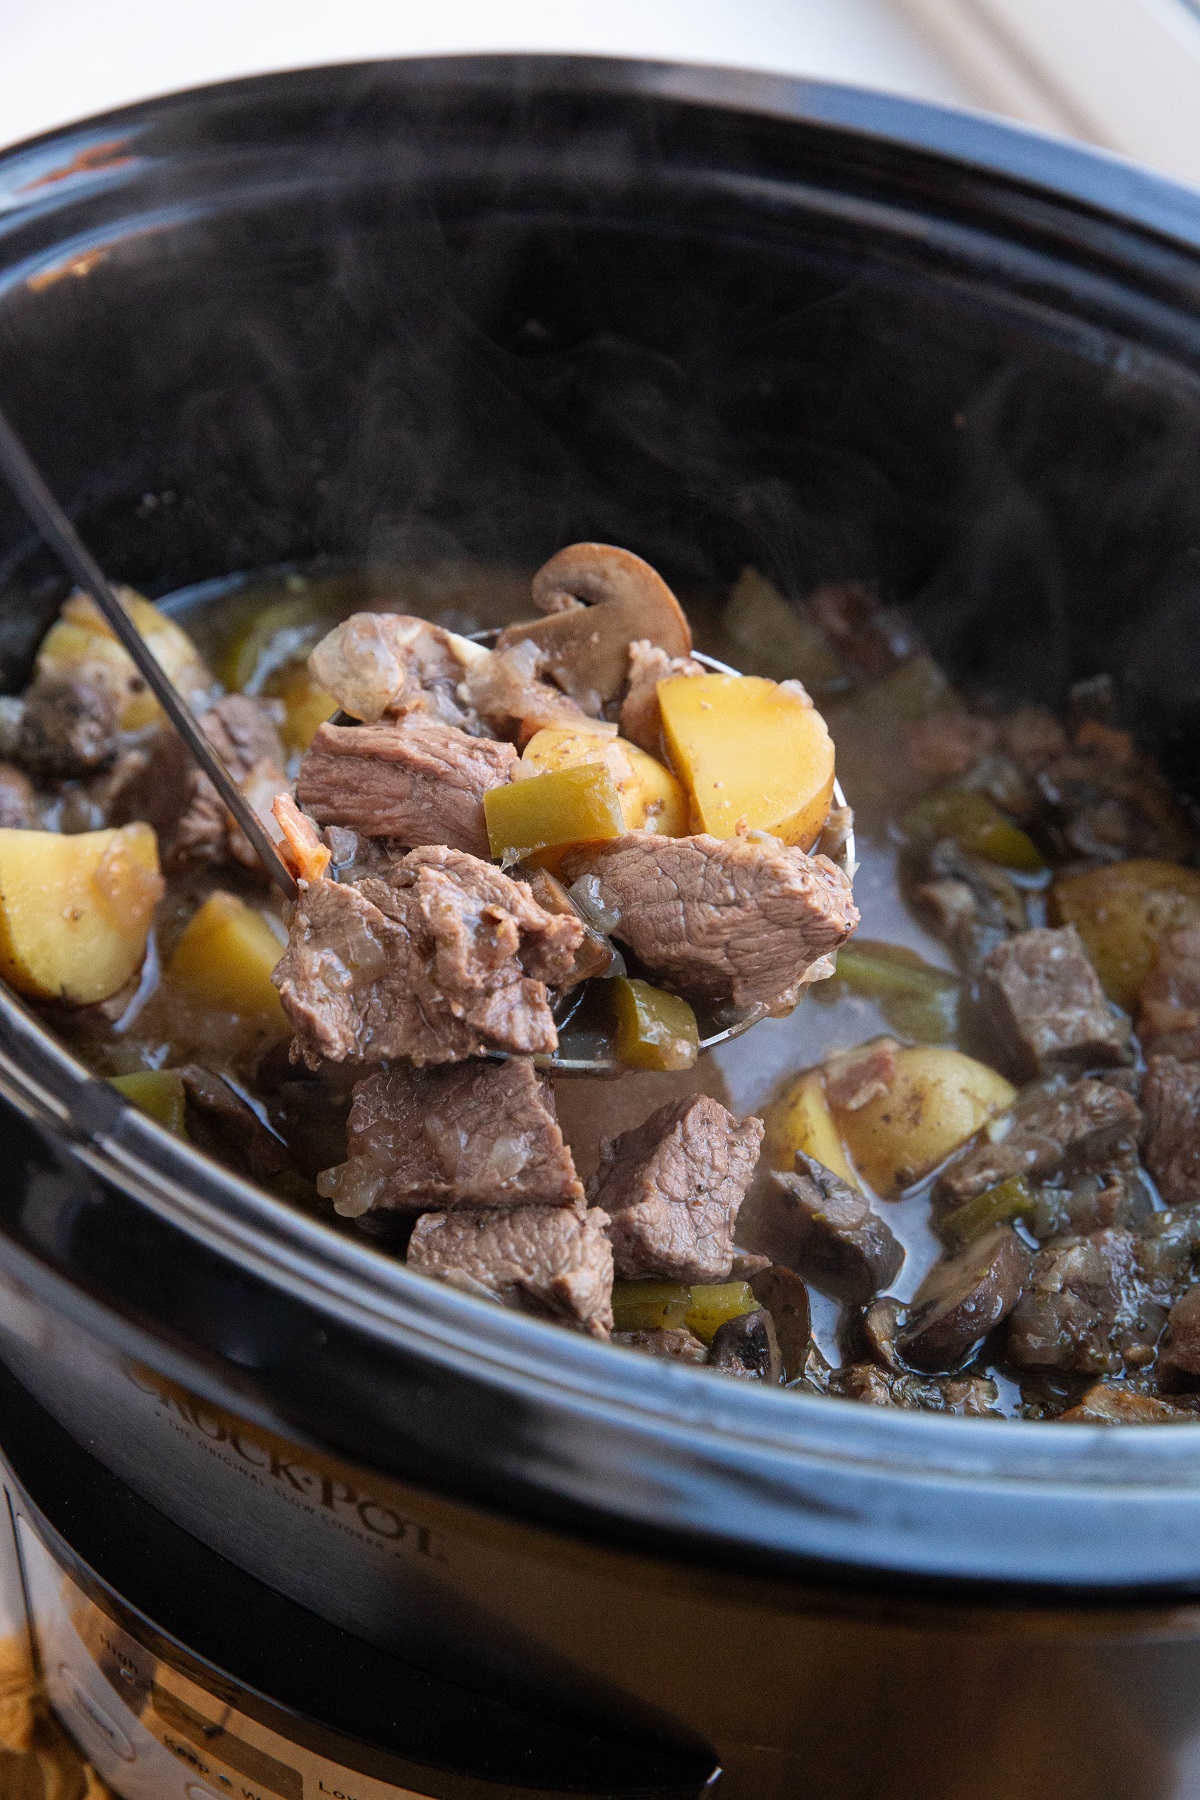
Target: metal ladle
54,526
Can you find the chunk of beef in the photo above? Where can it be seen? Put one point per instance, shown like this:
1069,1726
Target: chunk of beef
1169,1001
782,1294
1179,1358
673,1186
871,638
1047,1006
641,718
671,1341
1110,802
1168,1245
821,1226
379,665
971,905
740,919
446,958
865,1073
18,802
962,1298
477,1134
159,782
1109,1404
416,782
1086,1308
68,728
746,1347
222,1121
1171,1102
551,1259
511,698
1055,1128
947,745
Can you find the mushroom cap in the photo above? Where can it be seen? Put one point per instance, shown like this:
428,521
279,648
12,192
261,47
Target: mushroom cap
596,599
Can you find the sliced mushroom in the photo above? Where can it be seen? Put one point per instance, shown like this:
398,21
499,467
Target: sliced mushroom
781,1293
962,1298
596,600
817,1223
748,1348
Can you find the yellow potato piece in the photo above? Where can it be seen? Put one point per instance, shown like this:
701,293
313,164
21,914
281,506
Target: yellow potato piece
81,643
752,753
1122,913
75,912
800,1119
938,1099
225,958
650,795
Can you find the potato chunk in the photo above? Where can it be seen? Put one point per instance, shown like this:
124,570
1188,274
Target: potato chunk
530,821
651,797
935,1101
81,644
225,958
749,750
1122,912
799,1119
75,912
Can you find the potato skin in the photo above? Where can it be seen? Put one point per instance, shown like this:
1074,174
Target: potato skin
75,911
1122,912
937,1100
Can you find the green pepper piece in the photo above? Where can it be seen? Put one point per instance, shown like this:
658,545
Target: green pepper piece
917,1000
655,1030
711,1304
649,1305
159,1093
544,813
281,633
1000,1205
977,826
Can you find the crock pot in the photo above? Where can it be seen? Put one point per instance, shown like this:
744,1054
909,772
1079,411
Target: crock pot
484,307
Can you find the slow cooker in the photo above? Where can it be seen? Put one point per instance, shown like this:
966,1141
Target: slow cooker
287,1519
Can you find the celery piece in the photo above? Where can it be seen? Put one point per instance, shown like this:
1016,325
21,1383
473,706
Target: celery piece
655,1030
159,1093
650,1305
712,1303
1000,1205
918,1001
976,825
544,813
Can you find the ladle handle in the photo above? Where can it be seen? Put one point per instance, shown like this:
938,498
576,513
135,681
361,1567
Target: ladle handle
55,527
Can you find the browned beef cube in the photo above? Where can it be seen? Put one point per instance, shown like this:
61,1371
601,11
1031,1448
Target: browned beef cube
673,1186
947,745
550,1259
971,1396
18,802
818,1224
418,781
1047,1005
473,1134
671,1341
1169,1001
222,1121
1171,1102
961,1299
160,782
1179,1359
740,919
1071,1128
445,959
1109,1404
68,728
1086,1308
